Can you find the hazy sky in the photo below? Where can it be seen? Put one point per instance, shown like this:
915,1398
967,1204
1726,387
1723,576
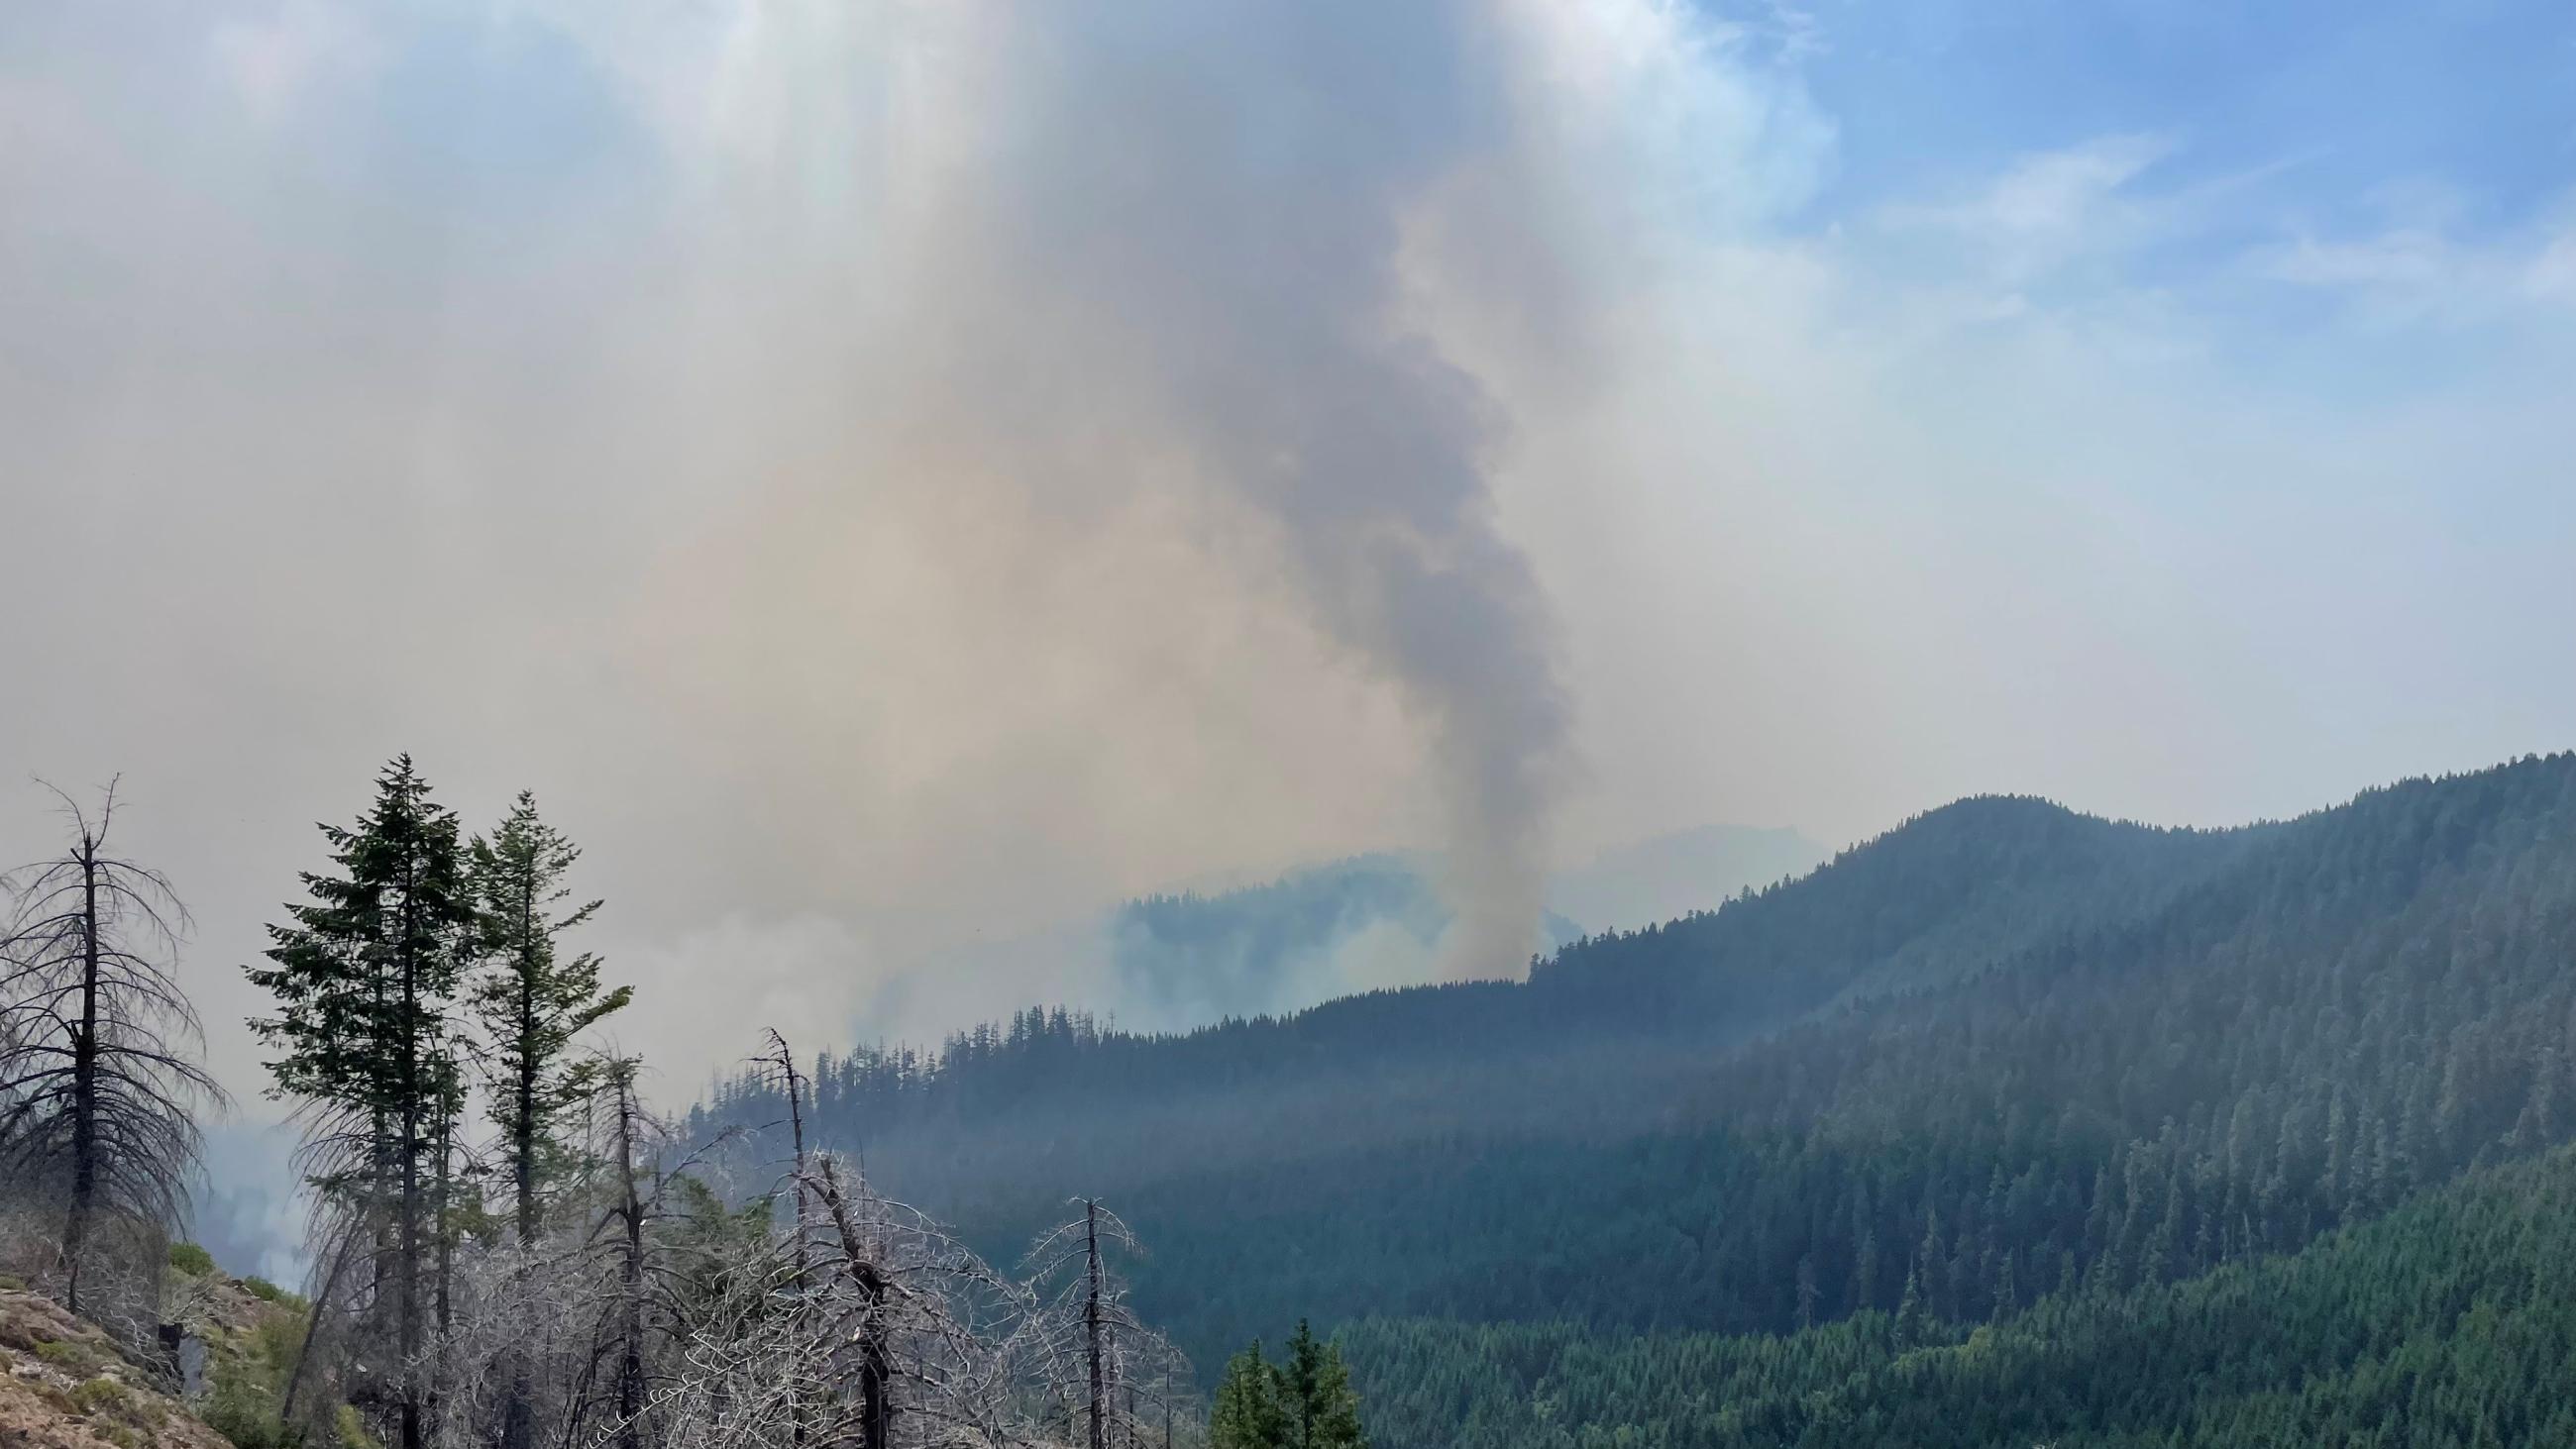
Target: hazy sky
895,475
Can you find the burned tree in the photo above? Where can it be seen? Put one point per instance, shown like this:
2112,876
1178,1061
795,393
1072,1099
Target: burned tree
628,1215
1090,1342
100,1070
802,1224
680,1312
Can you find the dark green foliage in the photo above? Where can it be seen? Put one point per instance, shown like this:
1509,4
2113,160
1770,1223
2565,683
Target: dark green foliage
2450,1322
365,968
246,1370
1304,1403
1323,1411
1250,1409
532,999
2001,1051
192,1260
365,976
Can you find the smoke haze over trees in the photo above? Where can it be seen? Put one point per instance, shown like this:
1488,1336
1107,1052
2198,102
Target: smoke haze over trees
1622,715
2003,1054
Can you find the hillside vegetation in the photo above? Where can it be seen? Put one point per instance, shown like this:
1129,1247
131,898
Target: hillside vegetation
2004,1053
2450,1322
66,1384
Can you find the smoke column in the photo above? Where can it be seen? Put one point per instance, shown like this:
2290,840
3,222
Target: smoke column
1199,210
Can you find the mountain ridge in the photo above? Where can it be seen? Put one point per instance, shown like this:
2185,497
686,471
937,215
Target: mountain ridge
1998,1049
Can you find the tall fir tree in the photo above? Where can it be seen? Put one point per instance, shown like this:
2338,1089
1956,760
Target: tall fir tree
365,974
531,999
1250,1410
1323,1411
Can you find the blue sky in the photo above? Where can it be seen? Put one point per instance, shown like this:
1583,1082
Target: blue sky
2343,98
2305,176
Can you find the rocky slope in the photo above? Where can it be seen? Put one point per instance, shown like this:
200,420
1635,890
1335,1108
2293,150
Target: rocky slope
65,1385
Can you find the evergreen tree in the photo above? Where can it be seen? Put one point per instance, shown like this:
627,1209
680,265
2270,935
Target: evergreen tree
532,1000
1323,1411
364,974
1250,1410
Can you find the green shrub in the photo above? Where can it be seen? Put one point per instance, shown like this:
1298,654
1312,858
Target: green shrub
278,1340
101,1396
247,1416
245,1372
192,1260
64,1353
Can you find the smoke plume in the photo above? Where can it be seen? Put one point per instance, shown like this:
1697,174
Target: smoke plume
1153,257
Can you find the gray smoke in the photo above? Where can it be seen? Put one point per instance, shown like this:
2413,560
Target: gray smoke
890,478
1208,202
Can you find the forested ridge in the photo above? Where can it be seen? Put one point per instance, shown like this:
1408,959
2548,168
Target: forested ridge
2451,1321
2004,1053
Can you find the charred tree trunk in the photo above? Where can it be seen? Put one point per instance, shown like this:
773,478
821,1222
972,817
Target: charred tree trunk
876,1361
98,1047
1091,1322
630,1277
876,1375
803,1207
84,1085
443,1298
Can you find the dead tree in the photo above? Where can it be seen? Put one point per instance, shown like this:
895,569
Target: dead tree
1082,1317
798,1236
629,1214
100,1051
1091,1325
695,1319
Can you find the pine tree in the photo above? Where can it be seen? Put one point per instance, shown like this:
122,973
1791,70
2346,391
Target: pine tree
1323,1412
1910,1325
364,976
532,1001
1250,1410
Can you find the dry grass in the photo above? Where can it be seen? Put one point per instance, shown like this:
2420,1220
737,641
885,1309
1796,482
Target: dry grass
64,1385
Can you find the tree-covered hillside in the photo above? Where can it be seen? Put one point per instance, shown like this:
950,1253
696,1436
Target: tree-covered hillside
2001,1052
2449,1322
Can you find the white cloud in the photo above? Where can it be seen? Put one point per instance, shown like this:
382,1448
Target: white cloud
2427,267
2048,208
2551,274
